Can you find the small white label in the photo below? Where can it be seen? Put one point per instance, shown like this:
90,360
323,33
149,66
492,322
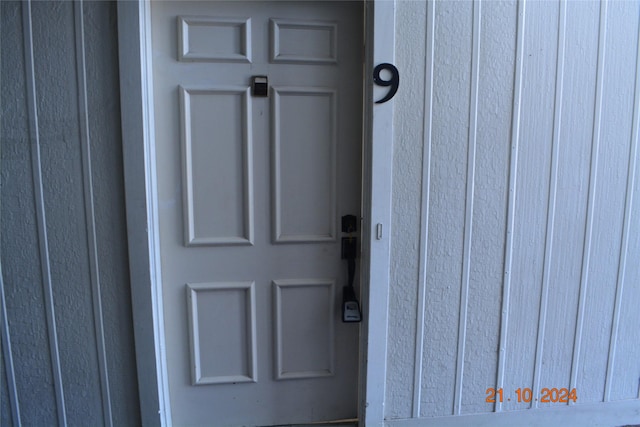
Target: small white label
351,312
378,231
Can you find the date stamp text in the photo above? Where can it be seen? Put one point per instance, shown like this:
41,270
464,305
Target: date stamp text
547,395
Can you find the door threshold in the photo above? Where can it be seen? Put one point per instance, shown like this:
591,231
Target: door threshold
351,422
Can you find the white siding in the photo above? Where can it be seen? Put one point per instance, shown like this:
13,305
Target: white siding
516,228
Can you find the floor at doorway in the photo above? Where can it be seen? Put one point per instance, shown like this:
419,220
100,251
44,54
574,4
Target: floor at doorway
341,423
350,424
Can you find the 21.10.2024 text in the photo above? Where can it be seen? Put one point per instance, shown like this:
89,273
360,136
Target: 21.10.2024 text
547,395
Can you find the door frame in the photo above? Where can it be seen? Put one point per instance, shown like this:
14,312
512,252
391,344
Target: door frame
136,97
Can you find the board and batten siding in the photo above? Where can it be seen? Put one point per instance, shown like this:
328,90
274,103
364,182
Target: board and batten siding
67,353
516,209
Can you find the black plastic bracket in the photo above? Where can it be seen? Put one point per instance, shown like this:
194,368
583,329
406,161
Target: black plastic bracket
349,248
349,224
260,86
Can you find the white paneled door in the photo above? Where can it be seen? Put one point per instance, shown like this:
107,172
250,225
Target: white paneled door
251,190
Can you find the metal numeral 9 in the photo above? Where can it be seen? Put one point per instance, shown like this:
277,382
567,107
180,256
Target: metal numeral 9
392,83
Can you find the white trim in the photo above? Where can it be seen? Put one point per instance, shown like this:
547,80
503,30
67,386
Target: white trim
583,415
377,180
141,207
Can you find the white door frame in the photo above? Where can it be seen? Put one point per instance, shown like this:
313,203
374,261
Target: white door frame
136,95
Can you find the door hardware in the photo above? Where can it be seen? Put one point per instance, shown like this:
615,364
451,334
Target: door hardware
349,223
350,306
260,86
378,231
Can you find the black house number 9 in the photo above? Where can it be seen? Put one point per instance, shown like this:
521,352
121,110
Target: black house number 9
392,83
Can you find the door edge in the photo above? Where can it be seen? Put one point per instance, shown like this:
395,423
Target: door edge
136,104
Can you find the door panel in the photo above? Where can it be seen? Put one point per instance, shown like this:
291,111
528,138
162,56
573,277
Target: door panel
304,327
251,190
220,172
225,310
304,164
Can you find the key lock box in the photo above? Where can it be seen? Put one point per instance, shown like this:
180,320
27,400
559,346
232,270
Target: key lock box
350,306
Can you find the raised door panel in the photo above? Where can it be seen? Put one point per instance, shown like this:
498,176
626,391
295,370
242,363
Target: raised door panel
222,327
295,41
214,39
217,165
304,164
304,317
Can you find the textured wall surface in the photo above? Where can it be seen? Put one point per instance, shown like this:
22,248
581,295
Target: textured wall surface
516,210
516,205
67,350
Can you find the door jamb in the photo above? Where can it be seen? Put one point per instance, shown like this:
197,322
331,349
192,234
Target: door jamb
136,95
377,164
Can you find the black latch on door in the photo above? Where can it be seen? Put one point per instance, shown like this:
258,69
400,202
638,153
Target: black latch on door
350,306
260,86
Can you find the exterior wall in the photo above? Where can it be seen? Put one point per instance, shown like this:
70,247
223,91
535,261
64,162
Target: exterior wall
516,209
67,349
515,229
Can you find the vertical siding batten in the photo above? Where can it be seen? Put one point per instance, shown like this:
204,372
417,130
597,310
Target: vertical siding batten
449,153
551,207
424,208
595,148
92,249
40,212
511,207
14,402
468,227
624,247
7,354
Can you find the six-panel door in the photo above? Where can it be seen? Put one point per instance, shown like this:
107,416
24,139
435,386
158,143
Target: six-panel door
251,190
